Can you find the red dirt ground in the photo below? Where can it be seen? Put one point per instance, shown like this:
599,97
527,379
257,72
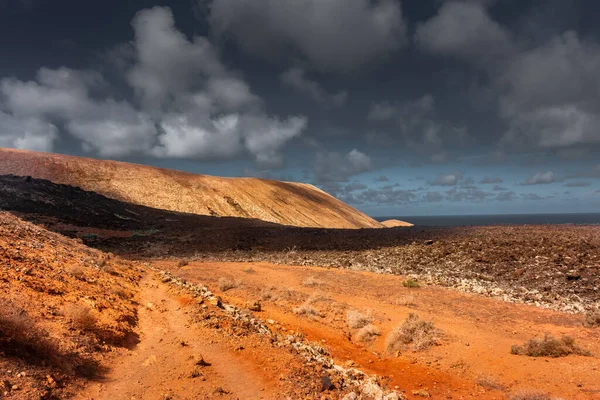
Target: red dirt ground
474,356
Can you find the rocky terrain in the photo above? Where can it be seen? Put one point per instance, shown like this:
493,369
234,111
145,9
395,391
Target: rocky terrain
121,300
64,308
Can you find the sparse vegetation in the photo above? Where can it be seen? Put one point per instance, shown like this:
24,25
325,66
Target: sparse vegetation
405,301
82,317
411,283
226,284
414,332
368,333
182,263
274,295
76,272
549,347
21,337
357,320
317,297
489,383
308,310
531,395
312,281
592,319
249,270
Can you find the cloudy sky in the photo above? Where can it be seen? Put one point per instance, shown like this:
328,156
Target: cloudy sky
398,107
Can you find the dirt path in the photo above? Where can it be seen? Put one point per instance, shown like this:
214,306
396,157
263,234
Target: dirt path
163,364
474,358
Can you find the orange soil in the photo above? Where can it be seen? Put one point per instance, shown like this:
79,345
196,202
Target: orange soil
286,203
161,367
478,332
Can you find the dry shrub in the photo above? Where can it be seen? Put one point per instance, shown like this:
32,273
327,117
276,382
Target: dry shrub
122,293
549,347
76,272
82,317
308,310
182,263
368,333
489,383
112,270
405,301
318,297
413,332
592,319
411,283
226,284
357,320
531,395
21,337
249,270
312,281
274,295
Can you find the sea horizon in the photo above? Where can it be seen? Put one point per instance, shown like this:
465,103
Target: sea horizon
499,219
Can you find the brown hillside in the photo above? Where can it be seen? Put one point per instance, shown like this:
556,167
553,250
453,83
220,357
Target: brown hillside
394,223
286,203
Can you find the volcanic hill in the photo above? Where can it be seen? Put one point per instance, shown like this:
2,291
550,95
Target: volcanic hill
286,203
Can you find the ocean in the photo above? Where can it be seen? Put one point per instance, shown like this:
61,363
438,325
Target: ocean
499,219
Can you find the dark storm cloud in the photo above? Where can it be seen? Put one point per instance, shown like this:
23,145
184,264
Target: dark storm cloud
416,126
539,115
296,79
319,31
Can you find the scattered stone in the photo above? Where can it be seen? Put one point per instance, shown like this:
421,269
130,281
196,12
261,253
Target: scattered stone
421,393
216,301
253,305
350,396
326,383
201,362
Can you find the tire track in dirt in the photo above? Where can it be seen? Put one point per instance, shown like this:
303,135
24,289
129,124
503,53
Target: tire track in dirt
162,364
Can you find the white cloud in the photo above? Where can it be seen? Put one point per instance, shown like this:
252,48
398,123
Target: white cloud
108,127
336,167
296,79
192,106
542,178
446,179
318,30
548,92
168,65
26,133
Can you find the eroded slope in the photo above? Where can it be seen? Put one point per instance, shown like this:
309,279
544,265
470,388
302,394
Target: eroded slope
284,203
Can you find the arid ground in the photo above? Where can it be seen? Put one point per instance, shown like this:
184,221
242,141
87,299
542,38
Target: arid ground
103,299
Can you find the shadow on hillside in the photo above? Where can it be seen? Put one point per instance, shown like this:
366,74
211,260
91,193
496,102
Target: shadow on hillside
128,228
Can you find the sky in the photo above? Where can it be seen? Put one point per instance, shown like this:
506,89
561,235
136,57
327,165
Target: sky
397,107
